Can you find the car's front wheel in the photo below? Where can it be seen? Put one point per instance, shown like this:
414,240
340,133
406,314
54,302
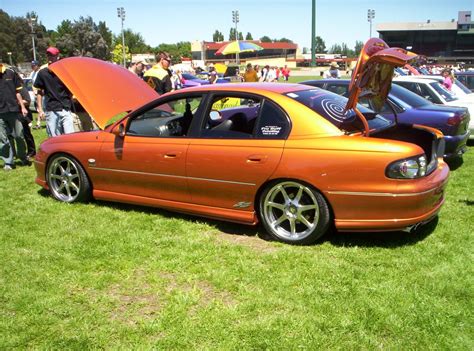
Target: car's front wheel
294,212
67,180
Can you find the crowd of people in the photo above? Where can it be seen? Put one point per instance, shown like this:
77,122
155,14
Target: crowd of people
55,103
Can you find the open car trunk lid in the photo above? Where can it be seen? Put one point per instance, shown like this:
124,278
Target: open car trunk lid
102,88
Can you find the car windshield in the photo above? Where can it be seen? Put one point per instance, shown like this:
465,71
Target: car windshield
445,93
331,107
462,87
407,96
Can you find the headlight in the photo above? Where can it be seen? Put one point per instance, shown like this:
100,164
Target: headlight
409,168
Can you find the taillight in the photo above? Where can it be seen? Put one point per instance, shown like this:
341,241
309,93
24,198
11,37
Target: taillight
456,120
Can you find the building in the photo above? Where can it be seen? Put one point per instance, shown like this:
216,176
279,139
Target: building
450,41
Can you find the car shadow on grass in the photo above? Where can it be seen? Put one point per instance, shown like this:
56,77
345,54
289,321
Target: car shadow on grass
383,239
342,239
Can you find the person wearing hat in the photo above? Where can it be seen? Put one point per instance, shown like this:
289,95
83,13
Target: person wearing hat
11,105
159,76
58,99
137,68
333,71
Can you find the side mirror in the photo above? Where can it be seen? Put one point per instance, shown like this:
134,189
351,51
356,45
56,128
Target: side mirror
119,130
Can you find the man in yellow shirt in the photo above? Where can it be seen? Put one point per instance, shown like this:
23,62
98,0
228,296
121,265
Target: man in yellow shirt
159,76
250,74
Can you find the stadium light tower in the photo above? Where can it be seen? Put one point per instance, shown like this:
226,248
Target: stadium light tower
32,22
121,15
370,17
235,19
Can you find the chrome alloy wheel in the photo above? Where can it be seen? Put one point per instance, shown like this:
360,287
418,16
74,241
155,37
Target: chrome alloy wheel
291,211
64,179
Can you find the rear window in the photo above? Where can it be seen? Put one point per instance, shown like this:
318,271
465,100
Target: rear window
445,93
331,107
407,96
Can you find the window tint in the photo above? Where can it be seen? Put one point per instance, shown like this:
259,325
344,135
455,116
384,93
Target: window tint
232,117
445,93
171,119
428,94
407,96
272,123
332,107
338,89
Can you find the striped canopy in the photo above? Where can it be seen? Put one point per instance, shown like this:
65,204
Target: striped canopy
237,46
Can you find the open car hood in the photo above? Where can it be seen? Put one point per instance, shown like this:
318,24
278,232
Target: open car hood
373,74
103,89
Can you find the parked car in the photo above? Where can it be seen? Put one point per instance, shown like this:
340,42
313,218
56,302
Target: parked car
466,78
191,80
404,106
434,91
458,89
280,156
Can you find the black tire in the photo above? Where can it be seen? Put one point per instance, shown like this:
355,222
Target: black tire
67,180
294,212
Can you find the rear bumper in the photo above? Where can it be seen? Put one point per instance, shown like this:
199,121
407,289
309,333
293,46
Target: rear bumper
456,144
368,211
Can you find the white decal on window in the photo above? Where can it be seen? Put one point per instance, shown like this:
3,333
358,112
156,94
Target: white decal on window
271,130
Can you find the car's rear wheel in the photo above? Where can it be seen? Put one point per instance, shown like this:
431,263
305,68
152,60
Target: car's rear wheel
67,180
294,212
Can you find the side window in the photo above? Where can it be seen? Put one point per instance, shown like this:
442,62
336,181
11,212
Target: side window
171,119
272,123
409,86
232,117
428,94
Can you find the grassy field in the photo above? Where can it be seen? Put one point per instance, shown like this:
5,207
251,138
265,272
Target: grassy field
112,276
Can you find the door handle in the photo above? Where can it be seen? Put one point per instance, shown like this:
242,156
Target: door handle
172,154
257,159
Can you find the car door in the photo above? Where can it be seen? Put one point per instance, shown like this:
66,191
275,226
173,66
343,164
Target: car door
149,160
239,147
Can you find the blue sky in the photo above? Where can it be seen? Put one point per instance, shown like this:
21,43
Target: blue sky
188,20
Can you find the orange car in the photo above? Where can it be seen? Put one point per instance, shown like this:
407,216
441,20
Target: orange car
295,158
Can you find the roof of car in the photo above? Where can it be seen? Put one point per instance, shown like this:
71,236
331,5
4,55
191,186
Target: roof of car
279,88
415,79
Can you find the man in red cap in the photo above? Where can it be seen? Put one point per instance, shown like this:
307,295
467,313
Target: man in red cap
58,99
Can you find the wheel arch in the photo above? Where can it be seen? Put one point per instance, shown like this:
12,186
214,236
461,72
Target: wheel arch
65,153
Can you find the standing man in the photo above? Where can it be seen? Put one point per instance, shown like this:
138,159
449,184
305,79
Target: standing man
137,68
285,72
159,76
58,100
11,105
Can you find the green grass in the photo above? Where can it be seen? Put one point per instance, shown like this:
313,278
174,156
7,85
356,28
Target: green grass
114,276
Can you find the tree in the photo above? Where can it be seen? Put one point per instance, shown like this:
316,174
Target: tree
358,47
265,39
217,36
106,33
320,45
178,50
117,54
305,50
232,35
82,38
335,49
346,51
248,36
283,40
134,41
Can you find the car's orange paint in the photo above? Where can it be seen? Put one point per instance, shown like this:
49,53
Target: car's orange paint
209,177
103,89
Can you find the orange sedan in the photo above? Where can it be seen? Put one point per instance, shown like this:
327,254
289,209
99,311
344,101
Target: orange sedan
289,156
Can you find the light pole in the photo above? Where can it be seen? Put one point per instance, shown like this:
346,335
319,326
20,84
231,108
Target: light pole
370,17
10,58
121,15
32,22
313,34
235,19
